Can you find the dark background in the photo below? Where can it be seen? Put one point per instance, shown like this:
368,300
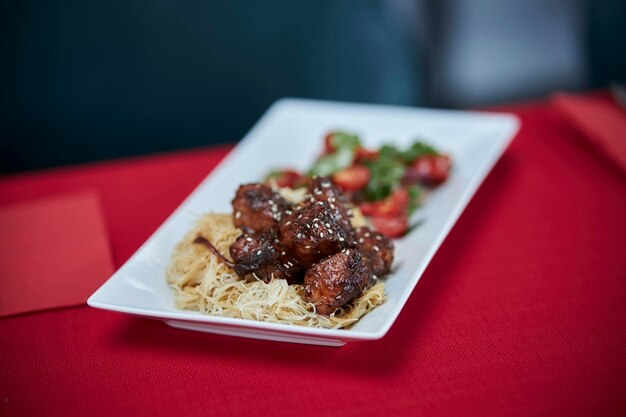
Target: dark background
86,80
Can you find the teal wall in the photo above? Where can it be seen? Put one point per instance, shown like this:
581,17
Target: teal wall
84,80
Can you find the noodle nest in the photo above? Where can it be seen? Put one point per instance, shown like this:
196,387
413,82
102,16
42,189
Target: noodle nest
200,281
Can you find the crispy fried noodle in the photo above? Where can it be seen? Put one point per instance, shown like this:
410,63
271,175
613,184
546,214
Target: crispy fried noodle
202,282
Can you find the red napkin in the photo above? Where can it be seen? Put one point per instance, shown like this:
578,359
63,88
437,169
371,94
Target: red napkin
54,252
600,119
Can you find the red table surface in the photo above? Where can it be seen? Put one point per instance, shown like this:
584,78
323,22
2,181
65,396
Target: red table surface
522,312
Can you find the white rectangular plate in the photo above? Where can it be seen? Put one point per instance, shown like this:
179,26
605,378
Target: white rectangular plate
290,135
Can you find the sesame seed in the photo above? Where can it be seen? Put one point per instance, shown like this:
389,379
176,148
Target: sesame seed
289,212
376,248
325,184
322,235
327,224
361,240
249,239
288,223
307,247
259,252
379,237
238,215
341,239
374,276
347,252
367,234
283,253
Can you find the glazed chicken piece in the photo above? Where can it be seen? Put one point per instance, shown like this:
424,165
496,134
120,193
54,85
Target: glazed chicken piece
336,280
377,250
258,208
314,231
260,254
323,189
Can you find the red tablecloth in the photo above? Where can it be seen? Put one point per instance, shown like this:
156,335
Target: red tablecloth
522,311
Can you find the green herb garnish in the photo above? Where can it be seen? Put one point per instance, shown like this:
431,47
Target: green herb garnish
385,174
273,174
329,164
345,140
417,149
415,197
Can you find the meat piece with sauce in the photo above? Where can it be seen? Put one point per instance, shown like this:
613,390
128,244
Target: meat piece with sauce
258,208
323,189
314,231
377,250
260,254
336,280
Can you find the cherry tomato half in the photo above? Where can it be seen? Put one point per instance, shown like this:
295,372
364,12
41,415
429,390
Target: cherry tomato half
392,226
288,178
364,154
429,170
352,179
328,143
397,203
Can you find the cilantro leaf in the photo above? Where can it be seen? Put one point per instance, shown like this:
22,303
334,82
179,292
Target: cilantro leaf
385,175
273,174
415,197
389,152
416,150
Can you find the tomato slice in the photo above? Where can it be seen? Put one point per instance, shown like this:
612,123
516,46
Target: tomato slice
429,170
397,203
364,154
328,143
390,216
392,226
288,178
352,179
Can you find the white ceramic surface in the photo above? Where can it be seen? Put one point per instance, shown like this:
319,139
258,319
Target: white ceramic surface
290,135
